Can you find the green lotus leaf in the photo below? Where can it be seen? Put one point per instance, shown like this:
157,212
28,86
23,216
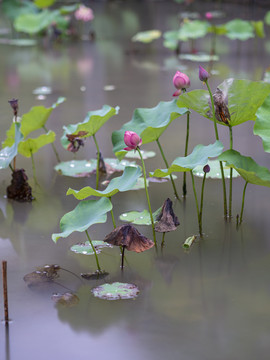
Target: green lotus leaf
35,119
33,23
171,39
145,154
258,28
67,9
116,291
44,3
140,217
93,121
244,99
149,124
246,167
13,8
8,153
31,146
193,30
239,29
262,124
199,156
267,18
147,36
85,214
218,29
200,57
86,248
214,172
122,183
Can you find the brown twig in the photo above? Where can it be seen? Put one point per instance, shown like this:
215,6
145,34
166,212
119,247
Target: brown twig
4,272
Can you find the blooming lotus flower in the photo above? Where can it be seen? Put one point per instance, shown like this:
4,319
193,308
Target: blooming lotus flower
14,104
181,82
84,14
203,74
209,15
132,140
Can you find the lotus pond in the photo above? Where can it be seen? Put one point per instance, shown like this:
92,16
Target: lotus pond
199,291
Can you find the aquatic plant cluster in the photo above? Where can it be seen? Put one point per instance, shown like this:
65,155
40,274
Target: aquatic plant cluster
231,104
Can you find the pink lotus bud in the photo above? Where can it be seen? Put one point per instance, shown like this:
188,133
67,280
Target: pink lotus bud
209,15
84,13
180,81
203,74
132,140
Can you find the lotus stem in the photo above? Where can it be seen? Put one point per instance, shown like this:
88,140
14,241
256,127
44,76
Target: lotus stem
147,196
217,138
186,152
231,174
5,293
167,165
53,147
163,240
98,158
112,215
196,201
34,168
11,168
202,193
123,257
94,250
243,203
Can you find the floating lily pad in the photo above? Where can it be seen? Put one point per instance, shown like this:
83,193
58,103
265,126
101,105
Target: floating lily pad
140,218
214,172
116,291
122,183
84,168
67,299
193,30
96,275
239,29
145,154
86,248
200,57
8,153
147,36
43,90
262,124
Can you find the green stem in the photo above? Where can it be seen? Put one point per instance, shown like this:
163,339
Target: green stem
231,174
243,203
53,147
167,165
98,157
94,250
196,201
201,208
163,239
112,215
11,168
186,152
217,138
33,167
147,196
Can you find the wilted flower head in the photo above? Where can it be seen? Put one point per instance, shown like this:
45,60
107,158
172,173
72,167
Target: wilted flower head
209,15
84,13
75,142
14,104
132,140
203,74
181,82
206,169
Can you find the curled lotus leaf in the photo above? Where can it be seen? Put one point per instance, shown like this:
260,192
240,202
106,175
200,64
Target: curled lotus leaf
116,291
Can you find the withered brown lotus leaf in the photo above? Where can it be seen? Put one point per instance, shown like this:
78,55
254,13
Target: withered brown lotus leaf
130,238
221,107
167,220
42,275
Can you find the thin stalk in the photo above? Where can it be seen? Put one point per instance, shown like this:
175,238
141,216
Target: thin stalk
147,196
11,168
53,147
201,208
98,157
217,138
5,293
243,203
123,257
186,152
34,168
196,201
231,174
163,239
112,215
14,159
94,250
167,165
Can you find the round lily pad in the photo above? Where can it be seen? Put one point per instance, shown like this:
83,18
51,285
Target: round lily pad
116,291
200,57
145,154
214,172
86,248
147,36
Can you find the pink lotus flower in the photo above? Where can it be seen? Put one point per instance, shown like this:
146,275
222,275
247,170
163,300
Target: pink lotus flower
203,74
84,14
209,15
132,140
181,82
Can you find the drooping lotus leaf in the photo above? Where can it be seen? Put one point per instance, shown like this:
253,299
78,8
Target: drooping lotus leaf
147,36
247,168
239,29
44,3
93,121
84,168
193,30
86,248
258,28
200,57
244,98
8,153
116,291
145,154
35,119
199,156
140,218
33,23
31,146
214,172
262,124
85,214
122,183
149,124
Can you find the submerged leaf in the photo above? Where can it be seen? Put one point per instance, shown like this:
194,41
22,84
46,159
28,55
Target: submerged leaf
98,274
67,299
116,291
42,275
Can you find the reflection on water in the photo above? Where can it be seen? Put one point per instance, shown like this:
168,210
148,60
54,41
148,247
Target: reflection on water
211,302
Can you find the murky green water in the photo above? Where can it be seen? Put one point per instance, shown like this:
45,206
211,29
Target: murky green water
211,303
